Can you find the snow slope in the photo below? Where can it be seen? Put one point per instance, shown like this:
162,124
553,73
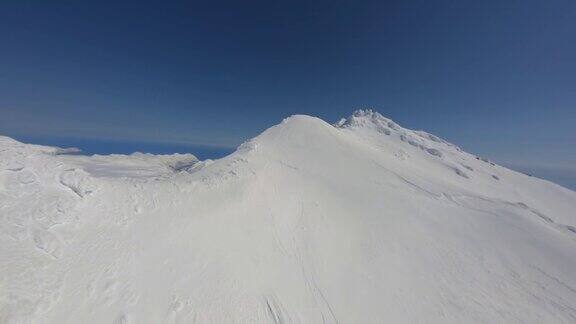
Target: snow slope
359,222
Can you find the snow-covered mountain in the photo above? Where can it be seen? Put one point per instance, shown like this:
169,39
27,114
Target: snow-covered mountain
358,222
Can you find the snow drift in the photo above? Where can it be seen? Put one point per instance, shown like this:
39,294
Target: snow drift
358,222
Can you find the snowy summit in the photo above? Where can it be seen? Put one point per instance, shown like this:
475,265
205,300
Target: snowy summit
362,221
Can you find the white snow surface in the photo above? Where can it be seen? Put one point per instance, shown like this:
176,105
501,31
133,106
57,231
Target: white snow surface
358,222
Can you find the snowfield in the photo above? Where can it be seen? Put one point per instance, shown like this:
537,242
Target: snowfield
358,222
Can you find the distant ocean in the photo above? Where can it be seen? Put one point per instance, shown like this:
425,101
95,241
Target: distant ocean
91,146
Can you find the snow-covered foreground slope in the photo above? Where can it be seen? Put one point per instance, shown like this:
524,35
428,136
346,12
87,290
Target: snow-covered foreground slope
360,222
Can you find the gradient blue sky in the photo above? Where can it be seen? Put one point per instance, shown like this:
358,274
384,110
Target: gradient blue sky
495,77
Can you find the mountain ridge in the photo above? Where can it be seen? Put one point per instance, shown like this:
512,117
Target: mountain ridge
307,222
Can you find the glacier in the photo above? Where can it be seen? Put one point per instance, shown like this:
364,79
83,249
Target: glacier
361,221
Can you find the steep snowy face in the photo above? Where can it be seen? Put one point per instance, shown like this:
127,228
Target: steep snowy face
373,123
434,159
359,222
372,120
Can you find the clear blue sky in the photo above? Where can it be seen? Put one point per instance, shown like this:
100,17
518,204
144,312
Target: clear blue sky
496,77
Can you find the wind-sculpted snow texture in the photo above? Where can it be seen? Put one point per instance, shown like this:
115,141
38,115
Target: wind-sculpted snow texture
359,222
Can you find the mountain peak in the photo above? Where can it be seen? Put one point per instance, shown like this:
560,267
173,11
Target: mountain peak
368,118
